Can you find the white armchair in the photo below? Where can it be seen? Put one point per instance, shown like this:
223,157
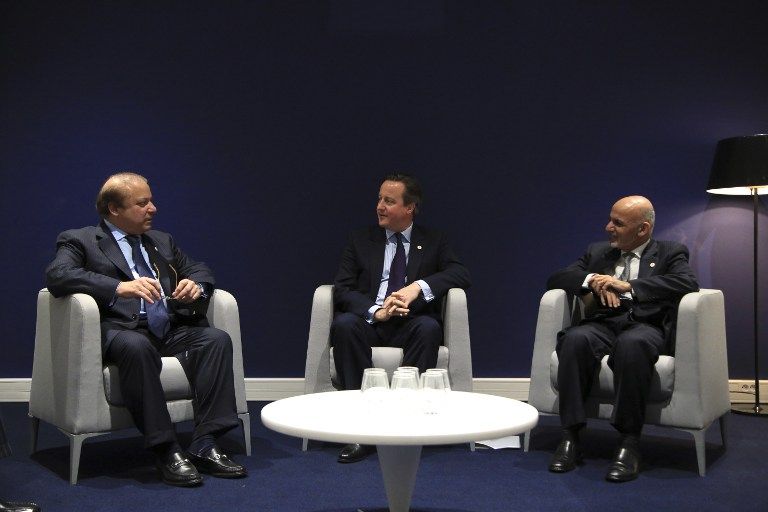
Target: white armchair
689,390
74,391
454,354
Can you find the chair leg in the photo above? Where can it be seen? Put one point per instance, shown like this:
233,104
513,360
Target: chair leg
304,444
75,447
245,421
701,449
471,446
34,426
526,440
724,429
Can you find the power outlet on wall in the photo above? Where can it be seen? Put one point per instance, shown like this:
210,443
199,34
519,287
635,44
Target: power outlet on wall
743,391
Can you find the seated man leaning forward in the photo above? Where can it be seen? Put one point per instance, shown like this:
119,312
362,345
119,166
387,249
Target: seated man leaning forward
152,299
388,288
636,283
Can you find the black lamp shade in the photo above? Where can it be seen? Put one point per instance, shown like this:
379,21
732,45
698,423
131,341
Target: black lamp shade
740,164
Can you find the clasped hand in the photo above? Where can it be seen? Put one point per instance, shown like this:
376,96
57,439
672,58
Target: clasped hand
609,289
398,303
149,289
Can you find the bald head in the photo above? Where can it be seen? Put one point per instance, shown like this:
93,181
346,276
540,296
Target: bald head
631,222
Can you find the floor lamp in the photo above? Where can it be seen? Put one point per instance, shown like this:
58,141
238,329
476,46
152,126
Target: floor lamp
740,168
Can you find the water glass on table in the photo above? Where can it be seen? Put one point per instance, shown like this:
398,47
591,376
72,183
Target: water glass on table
444,374
374,378
405,380
433,391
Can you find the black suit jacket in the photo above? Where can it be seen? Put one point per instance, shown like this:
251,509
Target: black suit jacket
430,258
663,278
88,260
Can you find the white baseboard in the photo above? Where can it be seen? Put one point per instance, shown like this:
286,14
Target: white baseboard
742,391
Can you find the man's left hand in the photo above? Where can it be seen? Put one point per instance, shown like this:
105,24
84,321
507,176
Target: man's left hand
186,291
408,294
601,282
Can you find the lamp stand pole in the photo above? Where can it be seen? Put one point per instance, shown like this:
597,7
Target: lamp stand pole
755,409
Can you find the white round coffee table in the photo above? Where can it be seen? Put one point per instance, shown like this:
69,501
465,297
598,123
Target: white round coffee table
399,423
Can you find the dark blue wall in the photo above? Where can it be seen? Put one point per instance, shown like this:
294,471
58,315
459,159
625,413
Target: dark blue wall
265,127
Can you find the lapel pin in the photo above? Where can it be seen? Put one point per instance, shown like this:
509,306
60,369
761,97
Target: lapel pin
653,264
418,247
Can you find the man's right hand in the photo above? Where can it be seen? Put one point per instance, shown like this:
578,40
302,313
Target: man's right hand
393,306
141,288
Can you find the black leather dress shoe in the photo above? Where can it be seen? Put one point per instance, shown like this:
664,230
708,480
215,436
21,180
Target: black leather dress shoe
175,469
355,453
567,455
625,465
216,463
18,506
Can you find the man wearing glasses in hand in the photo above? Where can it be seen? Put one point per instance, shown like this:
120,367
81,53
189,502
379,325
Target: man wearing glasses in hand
152,299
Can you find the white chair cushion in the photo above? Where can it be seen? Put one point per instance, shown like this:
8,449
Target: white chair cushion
661,386
172,377
390,358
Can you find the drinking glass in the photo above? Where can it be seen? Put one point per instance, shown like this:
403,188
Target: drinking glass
432,381
374,378
412,369
404,380
444,374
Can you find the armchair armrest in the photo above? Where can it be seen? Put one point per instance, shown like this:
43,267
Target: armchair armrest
701,360
456,339
317,378
554,316
223,313
67,381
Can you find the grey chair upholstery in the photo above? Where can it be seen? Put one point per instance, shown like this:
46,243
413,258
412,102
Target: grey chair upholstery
454,354
689,391
74,391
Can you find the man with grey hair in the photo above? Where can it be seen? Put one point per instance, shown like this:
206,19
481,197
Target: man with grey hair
152,300
635,283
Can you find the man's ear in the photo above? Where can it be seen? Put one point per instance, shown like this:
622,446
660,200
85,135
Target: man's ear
112,208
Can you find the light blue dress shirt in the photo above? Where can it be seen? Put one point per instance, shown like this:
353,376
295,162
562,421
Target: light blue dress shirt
389,255
125,247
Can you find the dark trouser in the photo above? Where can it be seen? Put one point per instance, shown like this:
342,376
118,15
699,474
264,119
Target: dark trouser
205,353
352,337
633,349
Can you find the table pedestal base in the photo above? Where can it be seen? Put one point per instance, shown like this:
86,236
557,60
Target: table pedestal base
399,465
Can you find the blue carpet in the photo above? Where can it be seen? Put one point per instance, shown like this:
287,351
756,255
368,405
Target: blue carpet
116,474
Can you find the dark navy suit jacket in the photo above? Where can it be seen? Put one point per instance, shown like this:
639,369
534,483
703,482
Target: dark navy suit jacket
88,260
430,258
663,278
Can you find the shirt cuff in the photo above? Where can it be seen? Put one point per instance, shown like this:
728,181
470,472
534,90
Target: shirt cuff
585,284
371,311
426,290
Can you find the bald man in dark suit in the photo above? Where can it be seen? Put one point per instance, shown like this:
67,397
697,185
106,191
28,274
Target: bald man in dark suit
636,283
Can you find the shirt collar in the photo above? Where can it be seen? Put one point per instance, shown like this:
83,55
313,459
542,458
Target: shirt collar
118,233
638,251
406,233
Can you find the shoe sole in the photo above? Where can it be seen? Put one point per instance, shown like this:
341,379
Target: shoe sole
188,483
217,474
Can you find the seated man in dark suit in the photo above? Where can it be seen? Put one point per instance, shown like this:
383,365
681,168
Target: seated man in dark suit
152,298
388,289
637,283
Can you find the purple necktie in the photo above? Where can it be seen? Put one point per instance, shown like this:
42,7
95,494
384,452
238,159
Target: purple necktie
157,316
397,269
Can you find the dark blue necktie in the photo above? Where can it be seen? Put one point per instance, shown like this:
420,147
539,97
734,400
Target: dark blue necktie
157,316
397,269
